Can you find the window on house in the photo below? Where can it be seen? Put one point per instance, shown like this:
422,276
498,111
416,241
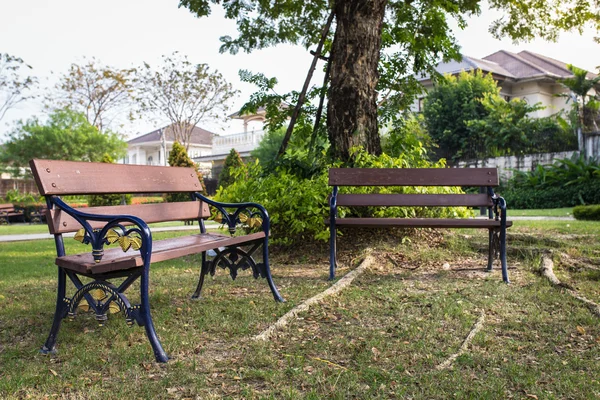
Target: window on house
150,161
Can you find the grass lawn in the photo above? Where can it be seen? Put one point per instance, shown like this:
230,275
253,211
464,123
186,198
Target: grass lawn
22,229
382,337
548,212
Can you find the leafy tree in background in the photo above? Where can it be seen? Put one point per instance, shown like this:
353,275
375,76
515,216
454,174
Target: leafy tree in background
586,106
14,88
99,200
178,157
447,108
67,135
232,161
380,46
100,92
184,93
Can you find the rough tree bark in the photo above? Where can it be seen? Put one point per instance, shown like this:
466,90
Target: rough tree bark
352,105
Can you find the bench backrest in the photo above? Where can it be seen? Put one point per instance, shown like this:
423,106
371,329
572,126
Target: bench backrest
65,178
8,207
414,177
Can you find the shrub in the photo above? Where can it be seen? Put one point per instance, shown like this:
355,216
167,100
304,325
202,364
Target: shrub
552,197
298,205
587,213
179,158
233,160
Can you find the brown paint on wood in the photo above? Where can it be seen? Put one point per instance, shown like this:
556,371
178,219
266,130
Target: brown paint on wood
115,259
419,222
410,200
54,177
61,222
413,177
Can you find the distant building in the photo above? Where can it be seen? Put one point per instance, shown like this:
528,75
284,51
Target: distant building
525,75
243,142
153,148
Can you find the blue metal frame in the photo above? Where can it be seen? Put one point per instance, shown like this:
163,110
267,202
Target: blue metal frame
140,313
497,236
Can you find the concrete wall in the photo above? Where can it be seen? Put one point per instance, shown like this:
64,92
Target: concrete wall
506,165
22,185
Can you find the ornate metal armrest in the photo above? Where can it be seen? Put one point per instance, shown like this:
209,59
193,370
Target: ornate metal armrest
252,215
137,237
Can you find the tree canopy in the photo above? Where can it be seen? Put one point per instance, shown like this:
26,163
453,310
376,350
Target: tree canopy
14,87
377,48
184,93
67,135
103,94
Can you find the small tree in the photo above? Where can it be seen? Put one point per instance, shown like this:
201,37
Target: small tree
100,200
184,93
586,105
179,158
233,160
454,101
100,92
14,88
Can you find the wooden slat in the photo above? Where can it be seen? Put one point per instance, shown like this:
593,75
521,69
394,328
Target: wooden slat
413,176
61,222
410,200
115,259
55,177
419,222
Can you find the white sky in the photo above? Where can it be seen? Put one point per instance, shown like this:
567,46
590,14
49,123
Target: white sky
51,34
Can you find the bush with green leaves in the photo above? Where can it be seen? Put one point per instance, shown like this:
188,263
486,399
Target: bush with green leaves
179,158
587,213
101,200
566,183
232,161
298,205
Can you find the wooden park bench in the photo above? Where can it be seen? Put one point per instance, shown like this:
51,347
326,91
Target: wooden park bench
495,222
8,212
126,227
38,215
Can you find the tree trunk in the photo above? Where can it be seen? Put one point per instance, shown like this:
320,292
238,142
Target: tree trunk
352,105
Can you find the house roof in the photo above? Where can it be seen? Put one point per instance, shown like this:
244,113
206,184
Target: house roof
513,66
199,136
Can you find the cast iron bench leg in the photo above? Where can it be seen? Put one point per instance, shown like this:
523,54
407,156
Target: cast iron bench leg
159,353
490,249
60,313
203,271
503,255
267,271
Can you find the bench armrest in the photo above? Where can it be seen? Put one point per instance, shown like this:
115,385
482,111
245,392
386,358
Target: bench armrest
243,213
499,206
114,223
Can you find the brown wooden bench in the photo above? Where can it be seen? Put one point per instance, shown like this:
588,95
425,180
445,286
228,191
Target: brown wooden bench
8,212
38,215
487,178
108,271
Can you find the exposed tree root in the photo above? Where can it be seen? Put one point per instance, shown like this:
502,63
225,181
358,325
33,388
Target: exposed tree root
476,328
334,289
547,270
570,262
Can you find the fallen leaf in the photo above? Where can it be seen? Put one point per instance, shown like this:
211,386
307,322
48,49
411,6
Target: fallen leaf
53,372
581,330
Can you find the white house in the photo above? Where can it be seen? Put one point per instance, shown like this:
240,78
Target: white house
525,75
153,148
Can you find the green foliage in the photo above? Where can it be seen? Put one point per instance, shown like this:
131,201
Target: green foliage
67,135
567,183
14,196
101,200
179,158
508,130
585,105
298,204
408,136
449,106
587,213
232,161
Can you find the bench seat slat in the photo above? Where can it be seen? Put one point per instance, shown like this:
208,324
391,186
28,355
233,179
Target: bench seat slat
420,222
413,177
62,222
409,200
115,259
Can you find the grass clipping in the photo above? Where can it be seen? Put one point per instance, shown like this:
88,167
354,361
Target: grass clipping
334,289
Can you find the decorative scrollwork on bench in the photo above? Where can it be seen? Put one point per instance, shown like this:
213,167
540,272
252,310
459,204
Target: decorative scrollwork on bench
244,217
234,259
127,238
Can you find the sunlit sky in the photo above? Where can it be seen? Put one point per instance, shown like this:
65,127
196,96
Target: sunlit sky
50,35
